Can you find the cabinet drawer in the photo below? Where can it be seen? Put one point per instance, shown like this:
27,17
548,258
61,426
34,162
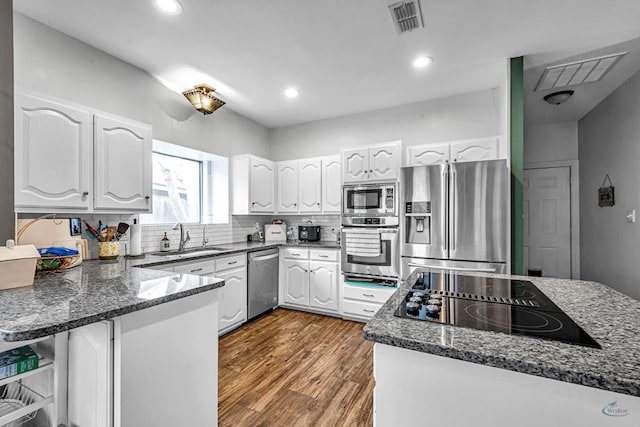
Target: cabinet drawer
229,262
296,253
359,308
368,294
202,268
324,255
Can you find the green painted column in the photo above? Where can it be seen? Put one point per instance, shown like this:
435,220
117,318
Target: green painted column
517,165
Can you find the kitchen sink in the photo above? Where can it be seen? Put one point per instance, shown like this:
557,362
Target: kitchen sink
192,252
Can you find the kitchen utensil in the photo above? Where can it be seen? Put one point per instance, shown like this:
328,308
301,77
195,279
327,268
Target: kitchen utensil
122,228
111,234
91,231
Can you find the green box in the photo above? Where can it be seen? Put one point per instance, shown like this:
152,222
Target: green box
18,361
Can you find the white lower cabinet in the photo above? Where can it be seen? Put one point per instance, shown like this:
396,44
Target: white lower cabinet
153,367
311,279
362,302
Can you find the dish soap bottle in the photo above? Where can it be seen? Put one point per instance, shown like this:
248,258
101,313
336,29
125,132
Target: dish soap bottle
165,244
256,232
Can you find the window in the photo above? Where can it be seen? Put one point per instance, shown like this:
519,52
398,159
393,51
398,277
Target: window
189,186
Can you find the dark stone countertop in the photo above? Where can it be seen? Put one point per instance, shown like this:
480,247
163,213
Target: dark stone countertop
93,291
615,325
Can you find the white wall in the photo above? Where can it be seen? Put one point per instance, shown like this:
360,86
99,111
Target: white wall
6,122
464,116
53,63
550,142
609,143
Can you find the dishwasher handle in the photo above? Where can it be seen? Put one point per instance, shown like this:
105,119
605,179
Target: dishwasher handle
265,257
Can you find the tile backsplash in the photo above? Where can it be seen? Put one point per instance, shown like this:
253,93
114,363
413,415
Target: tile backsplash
216,234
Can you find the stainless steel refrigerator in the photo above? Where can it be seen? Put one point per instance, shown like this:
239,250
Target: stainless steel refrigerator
455,217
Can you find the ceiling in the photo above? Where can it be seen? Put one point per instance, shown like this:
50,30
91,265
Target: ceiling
344,56
587,95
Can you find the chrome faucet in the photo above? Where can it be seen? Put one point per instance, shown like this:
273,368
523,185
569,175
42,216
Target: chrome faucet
183,241
204,235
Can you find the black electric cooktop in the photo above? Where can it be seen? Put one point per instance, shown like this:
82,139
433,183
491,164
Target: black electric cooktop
491,304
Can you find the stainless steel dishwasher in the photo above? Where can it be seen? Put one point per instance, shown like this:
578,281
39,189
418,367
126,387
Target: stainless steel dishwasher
262,292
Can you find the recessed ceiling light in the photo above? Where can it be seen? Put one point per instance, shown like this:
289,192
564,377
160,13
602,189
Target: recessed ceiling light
292,92
422,61
170,7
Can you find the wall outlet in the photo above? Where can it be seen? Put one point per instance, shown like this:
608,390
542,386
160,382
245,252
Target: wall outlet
631,216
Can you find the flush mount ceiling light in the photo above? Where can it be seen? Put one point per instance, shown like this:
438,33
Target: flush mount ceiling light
557,98
292,92
422,61
170,7
203,99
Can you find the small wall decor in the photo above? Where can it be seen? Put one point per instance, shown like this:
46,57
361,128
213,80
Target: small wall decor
605,194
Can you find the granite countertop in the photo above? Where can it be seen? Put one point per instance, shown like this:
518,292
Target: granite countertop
151,260
615,325
91,292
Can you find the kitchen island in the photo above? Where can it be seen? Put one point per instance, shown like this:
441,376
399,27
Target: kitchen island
465,376
137,346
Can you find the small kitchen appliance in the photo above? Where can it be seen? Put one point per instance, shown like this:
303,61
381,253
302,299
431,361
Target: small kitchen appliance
509,306
370,200
309,233
275,232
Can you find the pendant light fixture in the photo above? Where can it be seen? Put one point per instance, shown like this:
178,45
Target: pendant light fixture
203,99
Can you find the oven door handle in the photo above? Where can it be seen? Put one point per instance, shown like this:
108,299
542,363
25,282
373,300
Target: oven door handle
439,267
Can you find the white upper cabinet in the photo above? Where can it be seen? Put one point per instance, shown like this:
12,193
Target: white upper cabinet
475,149
254,185
331,184
309,185
356,165
426,155
288,186
53,155
469,150
123,164
373,163
71,159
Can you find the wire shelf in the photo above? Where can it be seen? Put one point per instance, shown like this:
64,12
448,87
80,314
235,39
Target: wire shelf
19,404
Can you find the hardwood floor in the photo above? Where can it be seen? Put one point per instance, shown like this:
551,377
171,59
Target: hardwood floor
291,368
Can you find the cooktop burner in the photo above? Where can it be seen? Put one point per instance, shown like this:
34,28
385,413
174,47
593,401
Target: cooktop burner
501,305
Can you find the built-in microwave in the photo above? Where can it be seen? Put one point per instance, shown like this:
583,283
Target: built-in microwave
370,200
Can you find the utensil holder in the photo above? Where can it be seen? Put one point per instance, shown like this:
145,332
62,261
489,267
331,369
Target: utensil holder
108,250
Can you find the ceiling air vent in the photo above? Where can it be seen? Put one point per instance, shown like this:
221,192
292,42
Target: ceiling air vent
406,16
574,73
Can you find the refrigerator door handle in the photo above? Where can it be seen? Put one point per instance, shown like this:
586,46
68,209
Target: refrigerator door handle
445,213
452,221
440,267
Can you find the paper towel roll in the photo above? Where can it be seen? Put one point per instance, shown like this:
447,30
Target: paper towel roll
135,239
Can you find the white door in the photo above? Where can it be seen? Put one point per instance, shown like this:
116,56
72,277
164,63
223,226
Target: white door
288,186
232,299
53,154
296,282
384,162
331,184
122,164
474,150
309,185
262,177
426,155
355,165
547,221
323,285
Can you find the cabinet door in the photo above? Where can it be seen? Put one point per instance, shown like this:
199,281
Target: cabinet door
297,282
262,177
355,165
309,185
323,285
232,299
474,150
122,164
429,154
384,162
288,186
53,154
331,185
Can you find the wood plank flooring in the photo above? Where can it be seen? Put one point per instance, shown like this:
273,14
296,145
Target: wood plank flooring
291,368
